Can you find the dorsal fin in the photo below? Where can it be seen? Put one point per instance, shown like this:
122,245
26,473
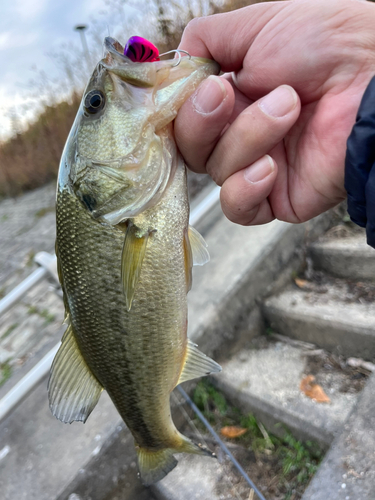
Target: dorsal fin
197,364
133,252
73,390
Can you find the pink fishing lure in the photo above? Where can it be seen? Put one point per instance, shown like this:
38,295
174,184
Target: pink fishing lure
139,49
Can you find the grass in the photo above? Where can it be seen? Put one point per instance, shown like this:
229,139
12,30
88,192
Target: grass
291,463
9,330
30,258
44,313
5,372
43,211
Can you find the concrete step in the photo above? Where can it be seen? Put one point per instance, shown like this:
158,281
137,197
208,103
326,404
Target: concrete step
350,258
348,470
204,478
331,318
195,477
265,378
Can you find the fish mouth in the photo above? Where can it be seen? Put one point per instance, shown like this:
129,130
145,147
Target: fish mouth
147,74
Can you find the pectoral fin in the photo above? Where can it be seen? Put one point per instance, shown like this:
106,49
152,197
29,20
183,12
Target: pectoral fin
73,391
198,248
188,261
197,364
133,253
196,253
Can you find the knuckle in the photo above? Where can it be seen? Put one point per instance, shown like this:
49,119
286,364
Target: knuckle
235,210
193,27
213,169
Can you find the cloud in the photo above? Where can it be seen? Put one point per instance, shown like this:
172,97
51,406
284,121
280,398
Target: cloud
5,40
12,39
30,10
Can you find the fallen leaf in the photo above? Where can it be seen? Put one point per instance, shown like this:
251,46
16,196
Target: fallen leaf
232,431
313,390
300,282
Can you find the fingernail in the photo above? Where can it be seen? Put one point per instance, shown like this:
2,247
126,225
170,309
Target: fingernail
260,169
279,102
209,95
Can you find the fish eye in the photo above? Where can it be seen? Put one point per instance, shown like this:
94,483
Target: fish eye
94,101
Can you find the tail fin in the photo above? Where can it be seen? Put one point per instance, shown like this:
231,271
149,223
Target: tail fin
155,465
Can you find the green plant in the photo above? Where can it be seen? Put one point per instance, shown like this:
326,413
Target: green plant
5,372
209,400
300,458
293,462
8,331
47,316
44,211
43,314
30,258
33,310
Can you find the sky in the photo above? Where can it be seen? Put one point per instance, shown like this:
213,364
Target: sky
29,31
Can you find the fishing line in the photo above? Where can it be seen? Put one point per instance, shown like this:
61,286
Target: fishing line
220,442
202,438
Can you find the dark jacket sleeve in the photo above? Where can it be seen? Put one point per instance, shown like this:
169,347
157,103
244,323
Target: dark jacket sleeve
360,166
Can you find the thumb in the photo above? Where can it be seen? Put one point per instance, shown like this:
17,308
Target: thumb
226,38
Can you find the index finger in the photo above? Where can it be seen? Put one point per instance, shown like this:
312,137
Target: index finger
226,38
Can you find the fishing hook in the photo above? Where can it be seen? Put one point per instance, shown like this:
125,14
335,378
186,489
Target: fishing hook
176,51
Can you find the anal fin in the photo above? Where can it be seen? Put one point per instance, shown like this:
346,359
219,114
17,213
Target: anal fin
197,364
73,390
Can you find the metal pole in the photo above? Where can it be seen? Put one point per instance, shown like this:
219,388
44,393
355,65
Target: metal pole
220,442
27,383
20,290
205,205
81,28
48,268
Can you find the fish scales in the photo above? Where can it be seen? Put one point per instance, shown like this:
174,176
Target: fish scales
149,334
125,251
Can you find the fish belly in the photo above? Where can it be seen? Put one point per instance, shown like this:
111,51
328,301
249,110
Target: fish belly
136,355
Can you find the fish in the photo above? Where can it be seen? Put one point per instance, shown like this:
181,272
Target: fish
125,252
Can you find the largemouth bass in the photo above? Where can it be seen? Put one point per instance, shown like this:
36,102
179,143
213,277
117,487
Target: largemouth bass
125,253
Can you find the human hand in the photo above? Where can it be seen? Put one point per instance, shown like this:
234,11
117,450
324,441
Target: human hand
323,49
